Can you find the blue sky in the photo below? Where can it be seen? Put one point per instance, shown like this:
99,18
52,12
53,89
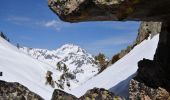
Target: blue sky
31,23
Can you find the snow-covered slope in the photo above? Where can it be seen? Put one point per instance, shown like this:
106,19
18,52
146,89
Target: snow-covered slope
19,67
78,62
116,77
29,66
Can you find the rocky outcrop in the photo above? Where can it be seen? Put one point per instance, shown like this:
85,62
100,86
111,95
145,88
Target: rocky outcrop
99,94
16,91
139,91
61,95
146,29
153,80
100,10
93,94
155,73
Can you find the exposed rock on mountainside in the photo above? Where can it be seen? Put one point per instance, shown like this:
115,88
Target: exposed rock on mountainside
102,61
90,10
93,94
4,36
146,29
16,91
156,73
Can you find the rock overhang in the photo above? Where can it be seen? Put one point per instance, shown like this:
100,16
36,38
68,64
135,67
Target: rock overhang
110,10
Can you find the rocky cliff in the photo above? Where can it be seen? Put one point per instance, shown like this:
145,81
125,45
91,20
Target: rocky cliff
155,73
146,29
16,91
152,73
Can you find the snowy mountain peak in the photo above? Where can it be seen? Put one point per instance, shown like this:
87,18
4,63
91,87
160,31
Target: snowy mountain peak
70,59
70,48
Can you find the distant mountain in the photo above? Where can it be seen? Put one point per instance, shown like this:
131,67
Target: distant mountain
79,65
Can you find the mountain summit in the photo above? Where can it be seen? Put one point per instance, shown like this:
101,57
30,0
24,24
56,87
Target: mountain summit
74,63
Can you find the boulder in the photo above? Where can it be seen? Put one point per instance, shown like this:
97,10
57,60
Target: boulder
109,10
93,94
16,91
140,91
61,95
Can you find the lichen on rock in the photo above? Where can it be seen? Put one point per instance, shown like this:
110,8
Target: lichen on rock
109,10
16,91
93,94
108,2
140,91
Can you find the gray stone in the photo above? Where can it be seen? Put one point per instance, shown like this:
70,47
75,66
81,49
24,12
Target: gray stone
16,91
93,94
109,10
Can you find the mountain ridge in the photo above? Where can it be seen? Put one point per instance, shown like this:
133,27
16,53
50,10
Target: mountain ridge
69,59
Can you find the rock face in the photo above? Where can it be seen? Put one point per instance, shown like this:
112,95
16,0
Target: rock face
16,91
153,80
99,10
139,91
156,73
146,29
93,94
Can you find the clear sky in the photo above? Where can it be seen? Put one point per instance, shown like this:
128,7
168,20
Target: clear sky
31,23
